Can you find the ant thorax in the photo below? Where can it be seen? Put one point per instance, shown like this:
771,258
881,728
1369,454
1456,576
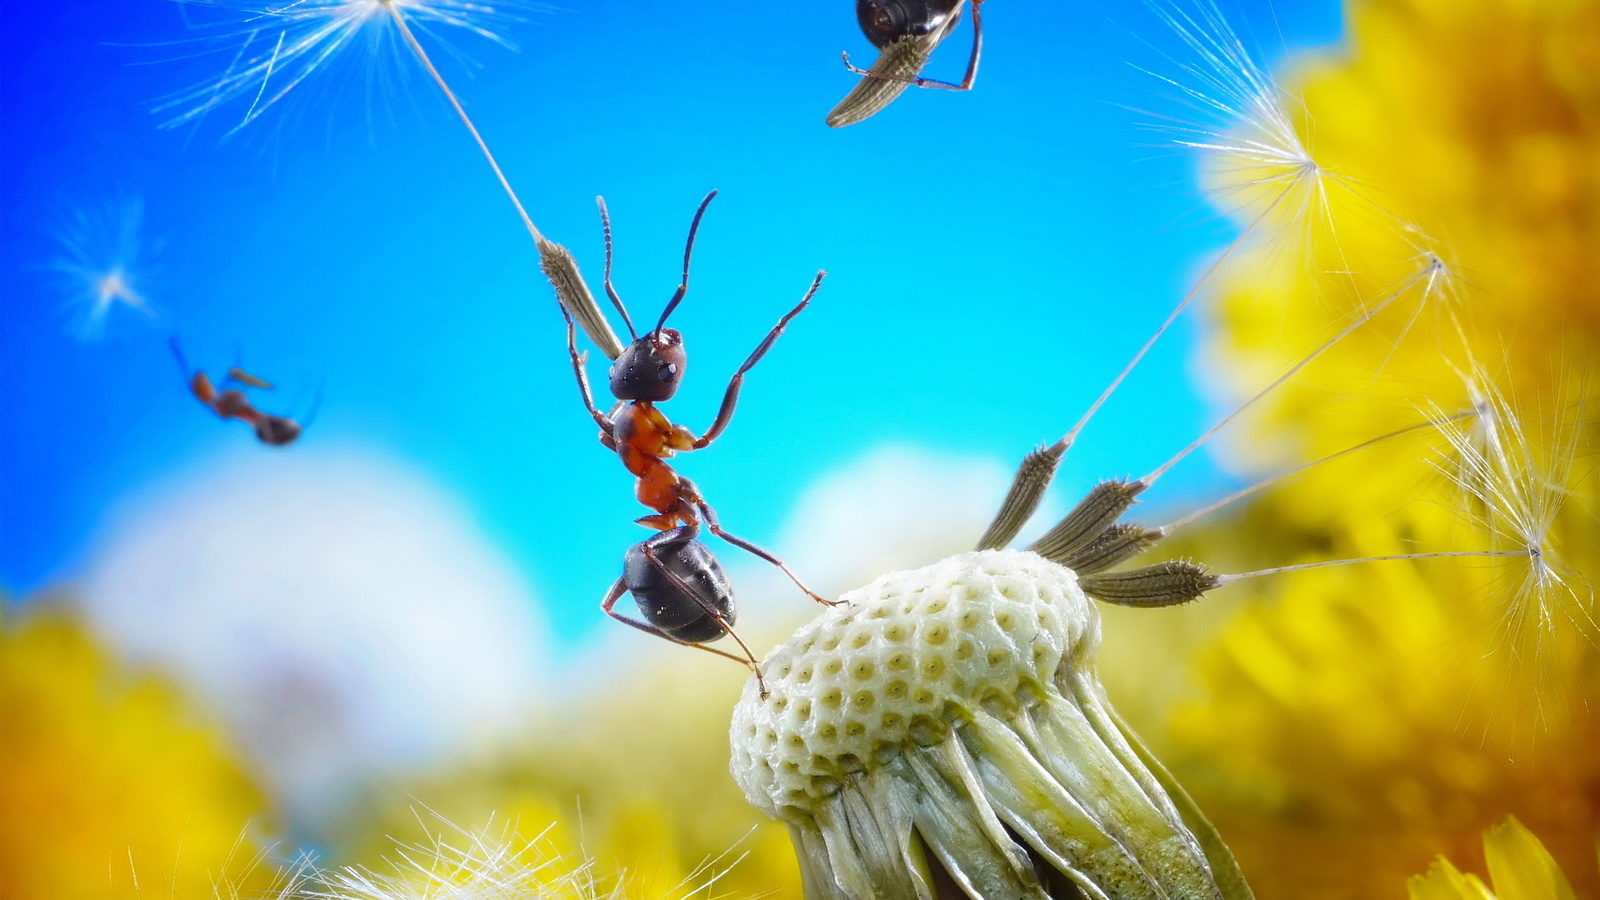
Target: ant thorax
644,428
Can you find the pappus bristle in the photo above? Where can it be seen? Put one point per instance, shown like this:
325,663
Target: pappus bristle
1253,156
1514,488
274,48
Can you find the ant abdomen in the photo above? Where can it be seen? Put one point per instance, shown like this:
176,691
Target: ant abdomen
277,430
887,21
675,588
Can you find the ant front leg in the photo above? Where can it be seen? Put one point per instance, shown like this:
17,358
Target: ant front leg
578,360
730,399
196,380
716,528
972,61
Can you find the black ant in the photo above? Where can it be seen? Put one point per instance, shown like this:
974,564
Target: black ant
681,589
906,32
230,401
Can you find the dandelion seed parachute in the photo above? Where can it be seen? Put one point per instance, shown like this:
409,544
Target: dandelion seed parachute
274,48
1515,490
102,254
306,35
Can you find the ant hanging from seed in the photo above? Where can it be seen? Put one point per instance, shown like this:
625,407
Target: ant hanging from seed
230,401
906,32
681,590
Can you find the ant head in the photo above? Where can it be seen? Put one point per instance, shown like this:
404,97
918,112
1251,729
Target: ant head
887,21
277,430
650,368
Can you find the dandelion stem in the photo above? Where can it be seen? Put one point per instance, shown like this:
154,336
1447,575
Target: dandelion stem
1067,440
1278,382
1301,567
411,41
1268,482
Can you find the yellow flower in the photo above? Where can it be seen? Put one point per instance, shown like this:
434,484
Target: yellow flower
1352,723
112,786
1519,867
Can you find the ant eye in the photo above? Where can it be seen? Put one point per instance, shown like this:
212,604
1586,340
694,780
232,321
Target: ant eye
668,372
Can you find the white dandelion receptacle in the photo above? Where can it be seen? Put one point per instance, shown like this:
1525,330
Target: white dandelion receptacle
944,730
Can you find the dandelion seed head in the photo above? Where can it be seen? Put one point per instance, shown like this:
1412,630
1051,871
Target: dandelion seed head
949,719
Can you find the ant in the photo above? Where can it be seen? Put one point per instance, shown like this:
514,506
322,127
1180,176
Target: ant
681,590
231,403
906,32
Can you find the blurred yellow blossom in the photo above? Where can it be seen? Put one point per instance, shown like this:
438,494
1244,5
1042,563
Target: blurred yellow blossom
1519,867
112,787
1351,724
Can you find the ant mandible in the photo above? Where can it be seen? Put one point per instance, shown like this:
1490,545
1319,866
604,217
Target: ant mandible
906,32
231,403
681,589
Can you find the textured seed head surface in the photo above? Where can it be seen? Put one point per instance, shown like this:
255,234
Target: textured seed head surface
900,662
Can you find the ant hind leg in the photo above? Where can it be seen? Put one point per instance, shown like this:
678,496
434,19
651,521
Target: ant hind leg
716,528
620,587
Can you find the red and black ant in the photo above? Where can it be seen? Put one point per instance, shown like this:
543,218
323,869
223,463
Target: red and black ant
906,32
681,589
230,401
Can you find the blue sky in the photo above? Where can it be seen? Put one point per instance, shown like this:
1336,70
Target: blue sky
994,257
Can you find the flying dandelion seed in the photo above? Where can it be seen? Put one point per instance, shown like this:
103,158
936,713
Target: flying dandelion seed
277,47
100,261
307,34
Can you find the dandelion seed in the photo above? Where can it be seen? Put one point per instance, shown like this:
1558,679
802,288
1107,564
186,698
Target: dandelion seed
310,33
1230,86
1516,491
99,265
1251,151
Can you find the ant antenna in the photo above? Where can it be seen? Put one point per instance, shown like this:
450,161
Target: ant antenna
177,353
688,250
605,226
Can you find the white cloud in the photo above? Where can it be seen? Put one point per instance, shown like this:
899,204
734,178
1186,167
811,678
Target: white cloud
337,610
